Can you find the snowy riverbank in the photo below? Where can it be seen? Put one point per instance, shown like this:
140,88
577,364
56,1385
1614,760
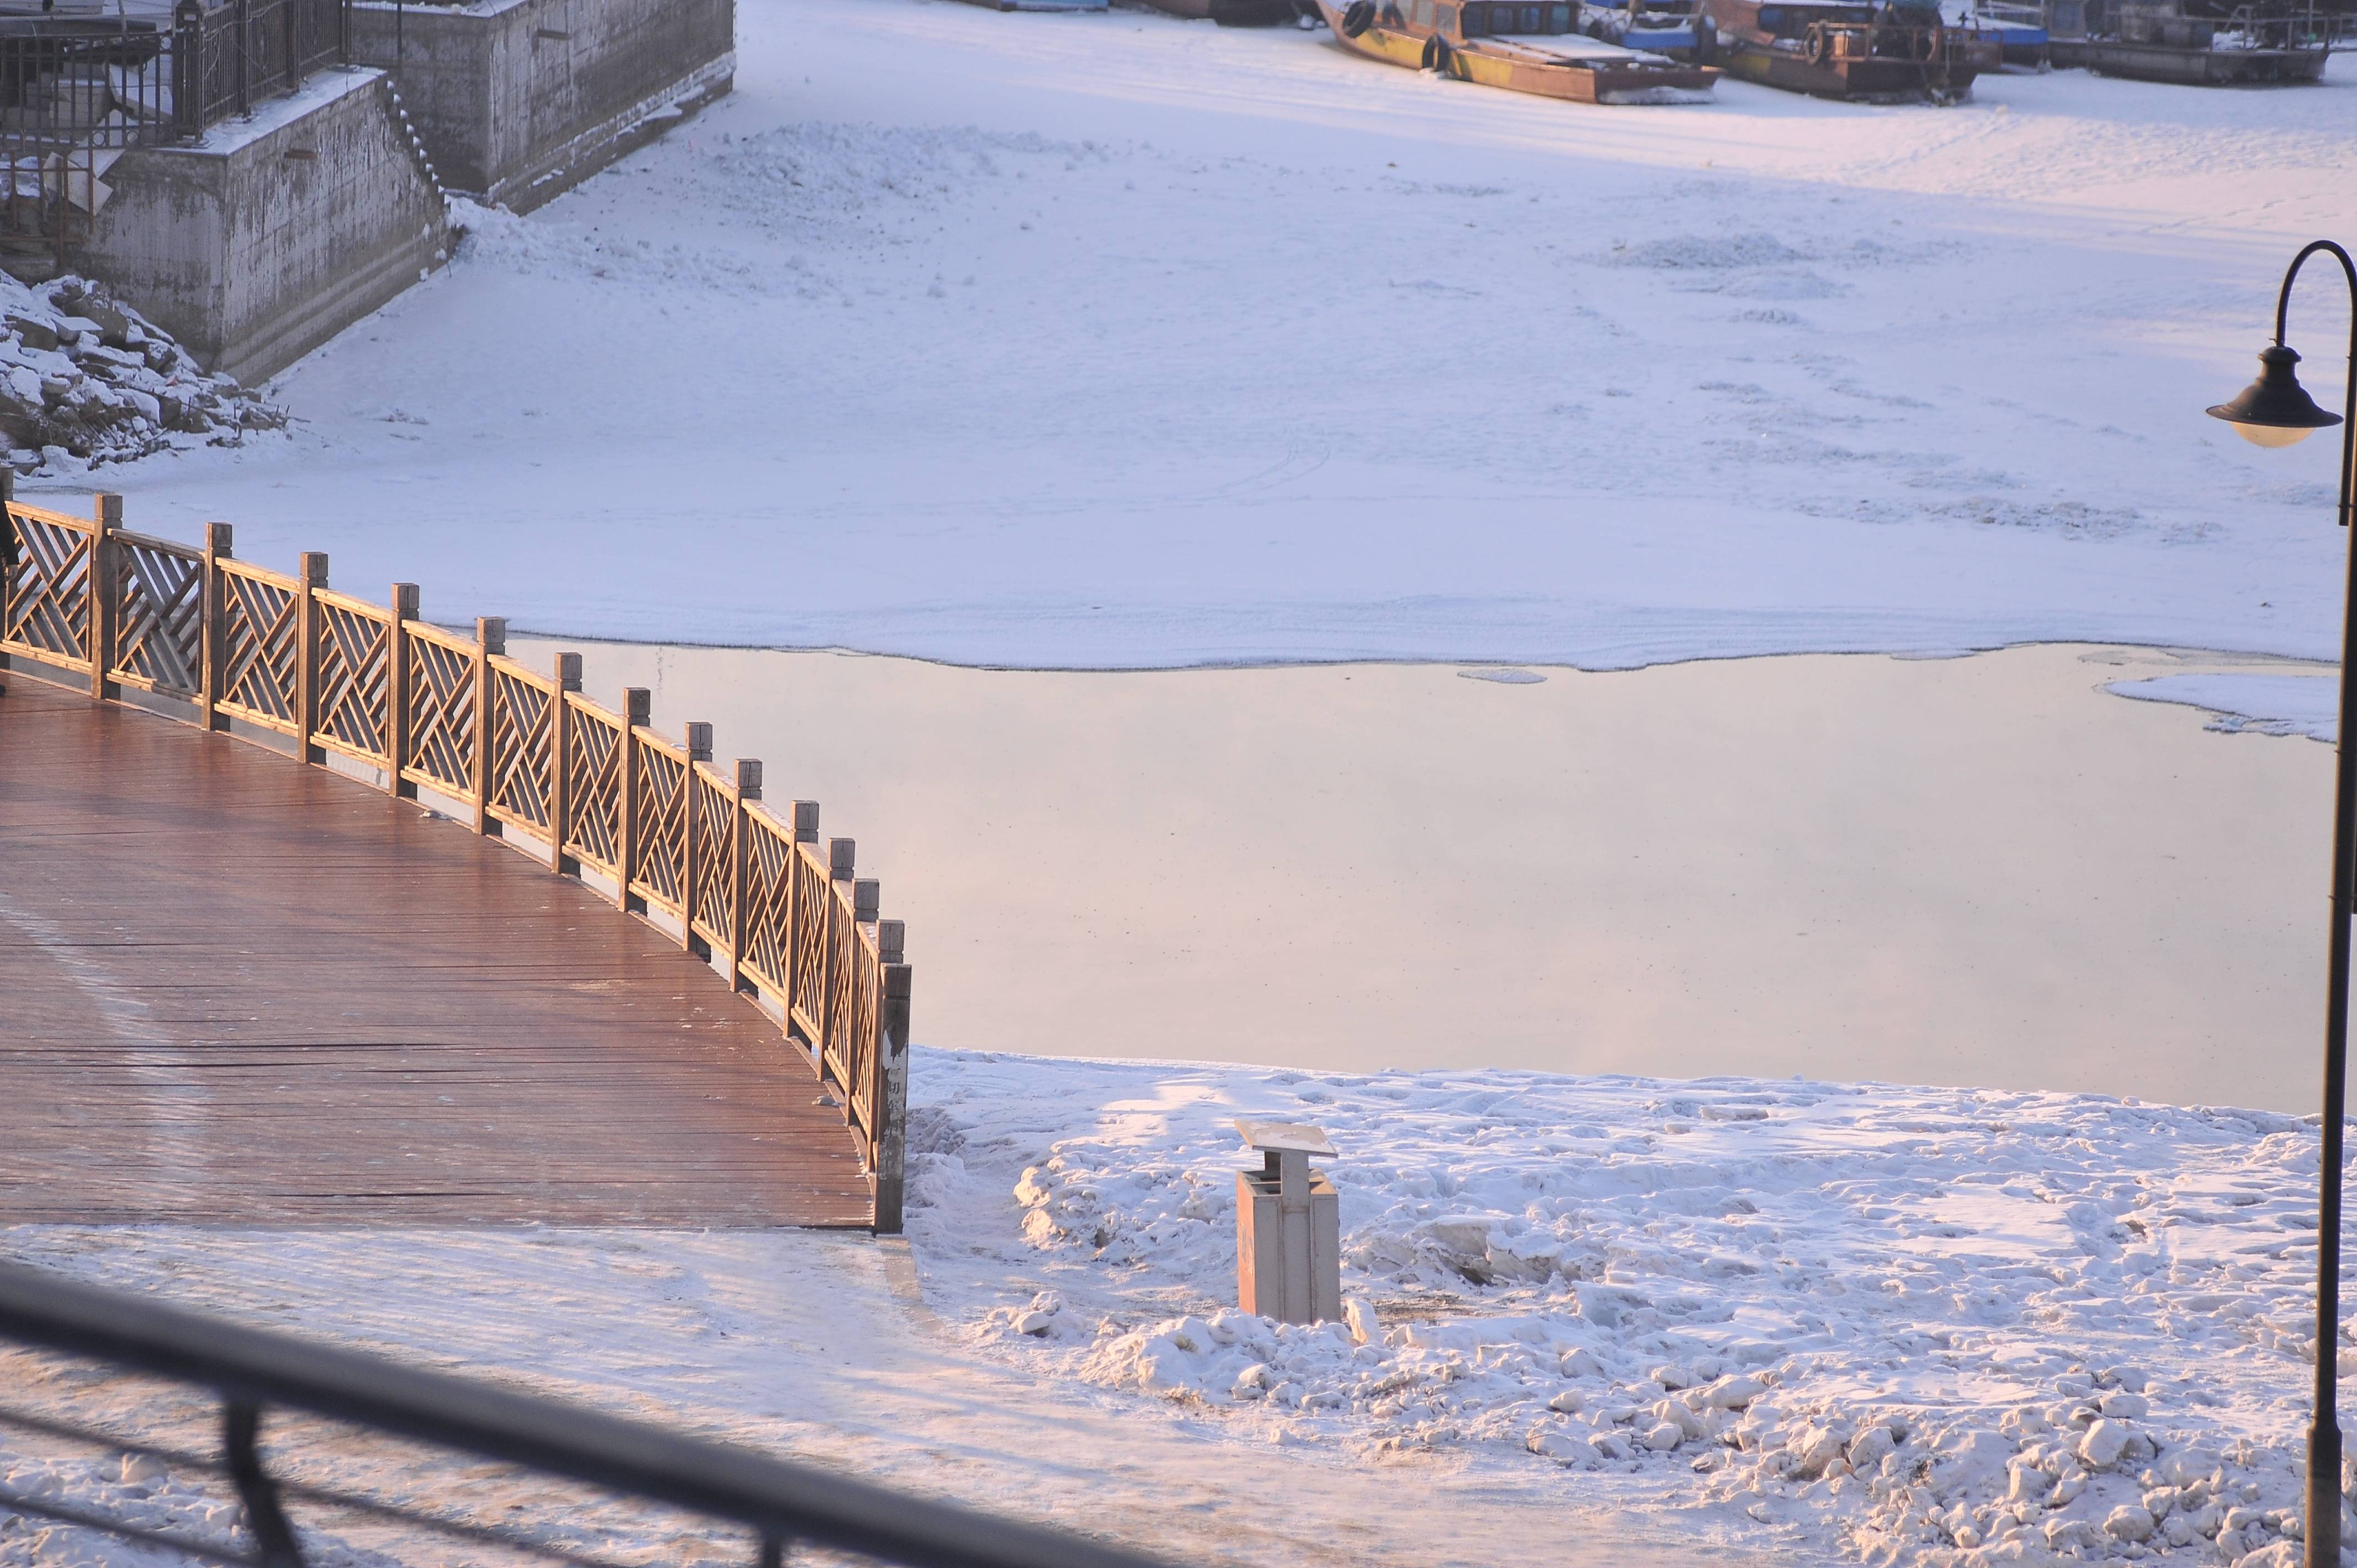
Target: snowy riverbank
1828,1323
1115,341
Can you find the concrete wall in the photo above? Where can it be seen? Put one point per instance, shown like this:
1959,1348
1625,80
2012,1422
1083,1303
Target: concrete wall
517,100
273,234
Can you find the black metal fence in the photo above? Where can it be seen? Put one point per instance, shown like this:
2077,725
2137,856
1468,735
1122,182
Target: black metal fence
271,1398
78,92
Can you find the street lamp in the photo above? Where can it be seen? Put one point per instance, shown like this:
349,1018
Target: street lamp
2276,411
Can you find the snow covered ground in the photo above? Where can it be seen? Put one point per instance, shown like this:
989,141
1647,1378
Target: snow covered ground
1614,1320
1114,340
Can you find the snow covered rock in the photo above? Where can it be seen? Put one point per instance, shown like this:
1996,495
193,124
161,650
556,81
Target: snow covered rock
2128,1522
2104,1442
85,380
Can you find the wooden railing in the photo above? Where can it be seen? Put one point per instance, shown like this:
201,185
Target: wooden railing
524,756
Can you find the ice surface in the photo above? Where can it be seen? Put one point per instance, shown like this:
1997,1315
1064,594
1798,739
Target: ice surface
1120,340
2270,704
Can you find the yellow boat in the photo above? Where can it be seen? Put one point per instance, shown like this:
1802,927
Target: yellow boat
1525,47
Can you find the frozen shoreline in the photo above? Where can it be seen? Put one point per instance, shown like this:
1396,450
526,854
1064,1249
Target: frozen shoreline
1985,870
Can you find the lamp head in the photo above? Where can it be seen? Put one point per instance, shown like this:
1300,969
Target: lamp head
2274,410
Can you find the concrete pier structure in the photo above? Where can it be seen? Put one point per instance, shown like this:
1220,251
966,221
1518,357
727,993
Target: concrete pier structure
518,100
271,234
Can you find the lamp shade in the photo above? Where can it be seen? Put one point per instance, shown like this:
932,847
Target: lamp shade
2274,410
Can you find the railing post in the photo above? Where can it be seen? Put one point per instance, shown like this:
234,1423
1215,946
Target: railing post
638,707
242,22
188,69
99,592
841,857
740,848
7,498
699,749
396,690
490,638
798,916
311,574
560,763
890,1157
212,611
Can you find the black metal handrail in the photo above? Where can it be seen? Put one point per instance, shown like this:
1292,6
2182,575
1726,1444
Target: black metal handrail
252,1370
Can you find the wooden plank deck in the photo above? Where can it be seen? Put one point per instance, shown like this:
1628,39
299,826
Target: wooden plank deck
235,989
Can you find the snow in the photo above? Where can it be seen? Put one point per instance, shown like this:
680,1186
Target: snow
2269,704
1116,341
1605,1318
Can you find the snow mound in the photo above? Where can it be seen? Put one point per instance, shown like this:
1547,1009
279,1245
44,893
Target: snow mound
1930,1327
86,380
2265,704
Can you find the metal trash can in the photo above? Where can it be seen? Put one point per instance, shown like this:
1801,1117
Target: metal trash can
1289,1226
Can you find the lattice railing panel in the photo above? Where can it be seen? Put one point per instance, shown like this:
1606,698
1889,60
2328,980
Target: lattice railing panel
593,769
441,690
659,834
813,949
258,654
45,609
712,829
160,627
770,860
524,713
354,673
861,982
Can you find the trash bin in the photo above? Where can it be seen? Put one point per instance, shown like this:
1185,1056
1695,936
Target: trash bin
1289,1226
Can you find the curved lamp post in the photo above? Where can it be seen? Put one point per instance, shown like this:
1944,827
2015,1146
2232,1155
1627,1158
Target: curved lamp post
2276,411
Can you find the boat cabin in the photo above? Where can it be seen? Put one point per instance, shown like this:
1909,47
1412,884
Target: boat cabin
1493,18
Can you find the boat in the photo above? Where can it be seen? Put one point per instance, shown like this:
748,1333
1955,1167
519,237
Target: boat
2021,28
1525,46
1656,27
2206,43
1235,13
1893,52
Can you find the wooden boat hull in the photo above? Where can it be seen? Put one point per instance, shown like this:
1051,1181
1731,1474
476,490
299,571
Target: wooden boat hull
1477,60
1869,79
1231,13
2198,68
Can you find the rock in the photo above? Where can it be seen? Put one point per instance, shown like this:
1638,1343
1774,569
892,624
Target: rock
2128,1522
1580,1364
1687,1422
1360,1316
1664,1437
33,334
2161,1501
2123,1405
1562,1447
143,1467
1870,1445
2179,1530
1813,1448
1674,1376
2061,1535
1036,1323
2104,1442
1735,1392
1570,1402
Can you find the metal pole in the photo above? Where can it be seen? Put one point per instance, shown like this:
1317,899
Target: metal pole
2323,1532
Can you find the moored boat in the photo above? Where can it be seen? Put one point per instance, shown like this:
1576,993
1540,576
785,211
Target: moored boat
1843,49
1525,46
2207,43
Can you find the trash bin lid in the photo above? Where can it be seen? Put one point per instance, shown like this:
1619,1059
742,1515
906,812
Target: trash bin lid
1286,1137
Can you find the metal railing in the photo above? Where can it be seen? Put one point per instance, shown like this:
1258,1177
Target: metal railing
772,1507
523,756
78,92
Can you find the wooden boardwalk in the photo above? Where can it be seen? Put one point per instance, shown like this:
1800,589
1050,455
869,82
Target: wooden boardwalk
234,989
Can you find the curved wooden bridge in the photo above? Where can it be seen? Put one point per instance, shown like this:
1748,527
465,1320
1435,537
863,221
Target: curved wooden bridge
234,988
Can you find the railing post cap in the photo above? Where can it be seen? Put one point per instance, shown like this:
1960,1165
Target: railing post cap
806,821
569,672
638,704
699,741
892,940
491,632
842,854
107,509
404,599
312,567
218,537
748,778
866,898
